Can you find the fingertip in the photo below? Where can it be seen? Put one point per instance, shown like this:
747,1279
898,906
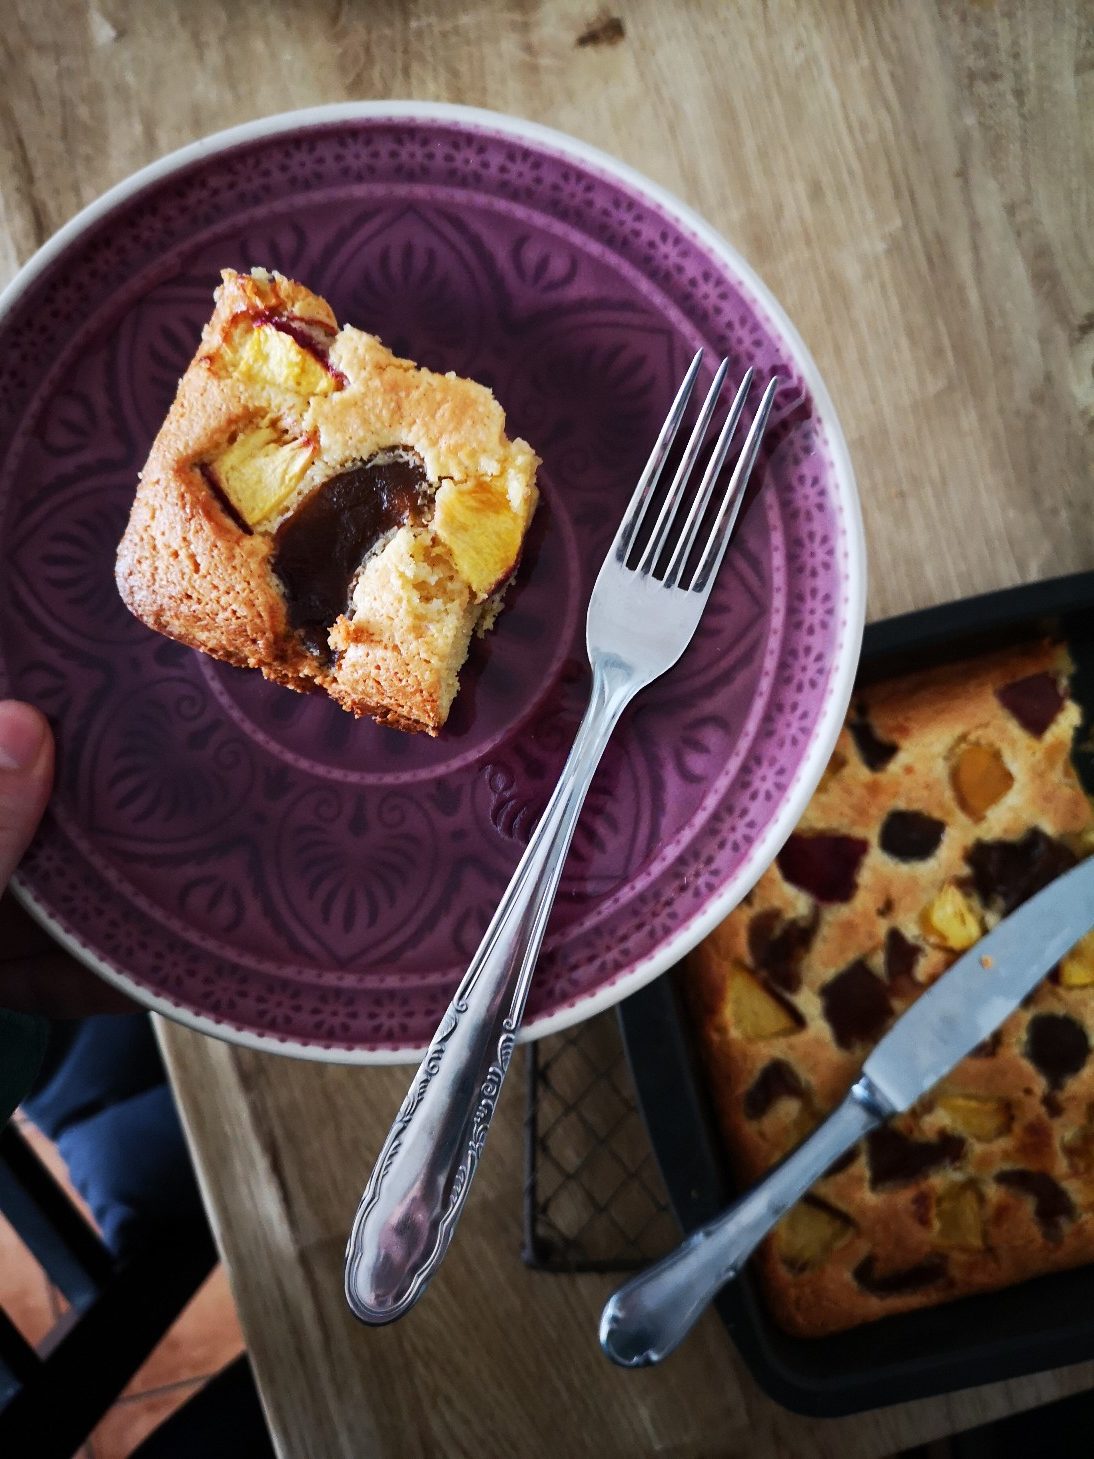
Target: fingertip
25,736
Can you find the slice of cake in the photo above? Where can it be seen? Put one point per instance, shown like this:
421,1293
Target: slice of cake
951,797
319,509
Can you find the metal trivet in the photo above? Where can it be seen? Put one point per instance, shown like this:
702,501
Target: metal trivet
593,1197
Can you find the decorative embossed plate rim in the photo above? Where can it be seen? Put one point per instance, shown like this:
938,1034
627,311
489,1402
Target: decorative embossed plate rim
821,734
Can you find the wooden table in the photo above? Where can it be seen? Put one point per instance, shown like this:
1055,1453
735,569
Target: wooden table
913,181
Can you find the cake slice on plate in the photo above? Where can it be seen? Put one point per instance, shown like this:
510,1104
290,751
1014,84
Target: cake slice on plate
317,508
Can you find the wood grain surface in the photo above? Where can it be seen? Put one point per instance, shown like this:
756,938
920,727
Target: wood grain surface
914,182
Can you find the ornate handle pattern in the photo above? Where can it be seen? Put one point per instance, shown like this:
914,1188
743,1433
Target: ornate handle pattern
648,1317
420,1181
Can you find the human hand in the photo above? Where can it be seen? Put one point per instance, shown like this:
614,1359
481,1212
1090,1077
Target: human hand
26,775
36,974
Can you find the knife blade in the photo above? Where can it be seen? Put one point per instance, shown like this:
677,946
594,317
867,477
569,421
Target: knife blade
651,1314
982,988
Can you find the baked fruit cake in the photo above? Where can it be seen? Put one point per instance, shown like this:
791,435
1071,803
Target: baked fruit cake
319,509
950,799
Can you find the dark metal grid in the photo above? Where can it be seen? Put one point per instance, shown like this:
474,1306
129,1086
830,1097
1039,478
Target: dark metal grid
593,1197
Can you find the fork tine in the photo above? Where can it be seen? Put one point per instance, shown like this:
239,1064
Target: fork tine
706,490
722,530
647,482
659,536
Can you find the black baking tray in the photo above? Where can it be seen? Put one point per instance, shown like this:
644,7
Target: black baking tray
1044,1323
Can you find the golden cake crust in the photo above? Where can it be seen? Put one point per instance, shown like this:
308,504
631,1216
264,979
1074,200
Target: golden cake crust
879,1238
189,567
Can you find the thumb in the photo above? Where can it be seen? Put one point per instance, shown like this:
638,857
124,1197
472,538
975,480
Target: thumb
26,774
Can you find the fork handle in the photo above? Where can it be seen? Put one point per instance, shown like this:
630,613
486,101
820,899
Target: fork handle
652,1313
420,1181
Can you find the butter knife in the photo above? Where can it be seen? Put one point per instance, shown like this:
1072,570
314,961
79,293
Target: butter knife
648,1317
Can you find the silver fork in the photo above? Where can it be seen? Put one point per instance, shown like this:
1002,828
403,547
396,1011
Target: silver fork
641,619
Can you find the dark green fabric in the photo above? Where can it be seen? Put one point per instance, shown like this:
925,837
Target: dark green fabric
22,1043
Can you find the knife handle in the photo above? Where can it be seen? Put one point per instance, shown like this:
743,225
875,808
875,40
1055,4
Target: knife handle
646,1319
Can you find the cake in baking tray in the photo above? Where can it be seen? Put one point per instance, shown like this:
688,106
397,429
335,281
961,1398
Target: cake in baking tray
317,508
951,797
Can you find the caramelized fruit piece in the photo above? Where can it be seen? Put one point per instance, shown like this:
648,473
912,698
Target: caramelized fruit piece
1008,872
978,1115
980,778
893,1284
318,550
1078,1146
270,353
1077,968
951,919
894,1159
313,335
910,835
482,531
959,1217
876,752
856,1005
809,1233
901,956
777,946
1057,1046
805,1121
1034,701
837,763
823,864
754,1012
1052,1205
775,1081
209,476
259,471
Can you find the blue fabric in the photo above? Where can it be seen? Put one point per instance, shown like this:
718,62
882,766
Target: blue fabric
130,1164
91,1064
103,1098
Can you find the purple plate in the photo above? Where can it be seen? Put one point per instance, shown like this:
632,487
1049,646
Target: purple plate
256,863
